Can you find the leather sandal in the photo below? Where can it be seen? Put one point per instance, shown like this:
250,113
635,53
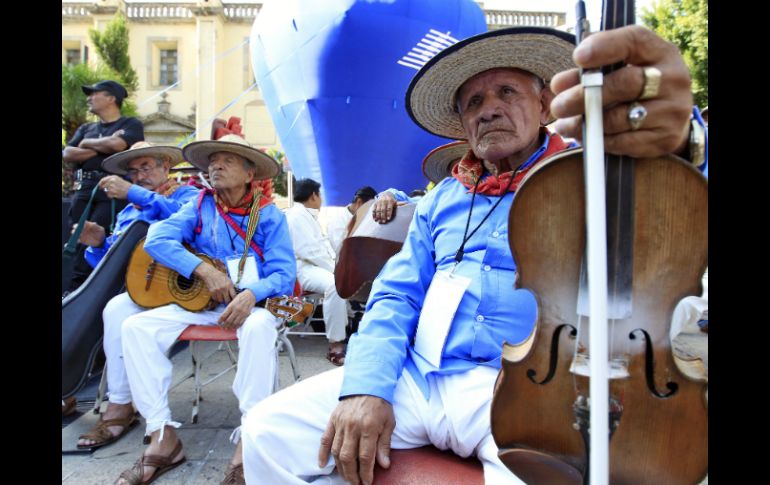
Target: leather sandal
234,475
336,358
161,463
70,406
101,434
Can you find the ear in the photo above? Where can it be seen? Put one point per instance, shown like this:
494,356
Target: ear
546,96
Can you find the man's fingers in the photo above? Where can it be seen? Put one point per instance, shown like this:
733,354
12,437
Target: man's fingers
347,459
326,445
367,450
633,45
383,445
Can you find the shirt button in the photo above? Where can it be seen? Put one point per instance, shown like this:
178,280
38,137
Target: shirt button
487,267
495,234
480,318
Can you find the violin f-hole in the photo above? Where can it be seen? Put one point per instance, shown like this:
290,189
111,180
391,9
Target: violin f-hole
649,367
554,355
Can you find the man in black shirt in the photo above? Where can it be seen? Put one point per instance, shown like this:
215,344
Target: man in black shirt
92,143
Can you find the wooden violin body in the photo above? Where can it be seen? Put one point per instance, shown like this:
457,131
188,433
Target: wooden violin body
539,414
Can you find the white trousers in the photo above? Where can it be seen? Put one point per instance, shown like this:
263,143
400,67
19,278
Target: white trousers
319,280
282,434
146,336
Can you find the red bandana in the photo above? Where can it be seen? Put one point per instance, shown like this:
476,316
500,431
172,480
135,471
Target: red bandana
470,168
242,208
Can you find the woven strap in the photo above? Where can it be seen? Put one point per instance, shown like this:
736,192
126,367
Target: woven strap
71,246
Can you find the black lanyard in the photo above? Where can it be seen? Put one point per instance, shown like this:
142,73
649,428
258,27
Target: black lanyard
232,237
461,251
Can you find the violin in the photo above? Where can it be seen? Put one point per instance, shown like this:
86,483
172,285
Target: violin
656,418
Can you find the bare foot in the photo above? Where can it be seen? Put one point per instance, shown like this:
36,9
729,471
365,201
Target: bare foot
114,411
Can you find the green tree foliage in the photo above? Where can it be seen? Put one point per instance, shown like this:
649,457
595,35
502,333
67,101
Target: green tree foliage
685,23
112,47
280,181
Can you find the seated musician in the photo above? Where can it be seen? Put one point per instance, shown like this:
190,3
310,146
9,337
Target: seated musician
315,264
422,367
152,197
218,223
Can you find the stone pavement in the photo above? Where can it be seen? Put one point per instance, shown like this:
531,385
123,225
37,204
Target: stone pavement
206,443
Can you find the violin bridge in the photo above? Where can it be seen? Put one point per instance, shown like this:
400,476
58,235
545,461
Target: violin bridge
581,366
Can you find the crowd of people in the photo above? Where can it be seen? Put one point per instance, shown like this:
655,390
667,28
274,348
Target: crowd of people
422,366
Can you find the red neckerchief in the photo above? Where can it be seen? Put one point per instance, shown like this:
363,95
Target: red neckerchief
165,189
470,168
243,208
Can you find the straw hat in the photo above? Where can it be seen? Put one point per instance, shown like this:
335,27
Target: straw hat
198,154
438,163
118,163
430,99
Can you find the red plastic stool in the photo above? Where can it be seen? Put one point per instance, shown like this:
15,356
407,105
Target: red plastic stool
429,466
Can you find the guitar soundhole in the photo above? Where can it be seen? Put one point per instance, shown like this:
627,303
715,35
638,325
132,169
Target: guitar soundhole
184,289
183,283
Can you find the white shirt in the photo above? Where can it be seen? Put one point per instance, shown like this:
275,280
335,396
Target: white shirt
337,227
311,246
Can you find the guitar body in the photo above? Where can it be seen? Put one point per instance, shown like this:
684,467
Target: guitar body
150,284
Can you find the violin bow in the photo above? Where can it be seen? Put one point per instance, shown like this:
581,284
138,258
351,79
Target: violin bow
596,241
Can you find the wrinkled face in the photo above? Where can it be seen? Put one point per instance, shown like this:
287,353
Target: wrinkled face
228,171
501,111
99,100
147,172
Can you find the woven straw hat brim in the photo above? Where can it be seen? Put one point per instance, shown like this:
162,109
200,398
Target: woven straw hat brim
198,153
430,98
436,165
118,163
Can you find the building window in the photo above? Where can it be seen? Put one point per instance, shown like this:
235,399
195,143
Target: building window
165,59
72,56
168,67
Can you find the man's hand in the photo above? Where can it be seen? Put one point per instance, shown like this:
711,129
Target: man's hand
666,126
238,310
92,235
115,187
359,430
218,283
385,208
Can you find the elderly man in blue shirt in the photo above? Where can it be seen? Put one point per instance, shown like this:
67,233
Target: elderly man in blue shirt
422,367
152,197
219,223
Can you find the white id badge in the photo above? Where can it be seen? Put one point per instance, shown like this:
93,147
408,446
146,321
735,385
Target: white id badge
250,275
441,302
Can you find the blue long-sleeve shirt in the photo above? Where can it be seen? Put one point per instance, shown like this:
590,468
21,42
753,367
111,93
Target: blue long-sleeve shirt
152,207
278,271
489,314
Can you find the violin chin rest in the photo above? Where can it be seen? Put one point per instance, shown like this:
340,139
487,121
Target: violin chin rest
535,467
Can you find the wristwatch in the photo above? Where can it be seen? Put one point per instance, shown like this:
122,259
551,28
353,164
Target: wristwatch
697,143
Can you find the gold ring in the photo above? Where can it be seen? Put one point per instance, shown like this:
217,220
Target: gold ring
651,84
